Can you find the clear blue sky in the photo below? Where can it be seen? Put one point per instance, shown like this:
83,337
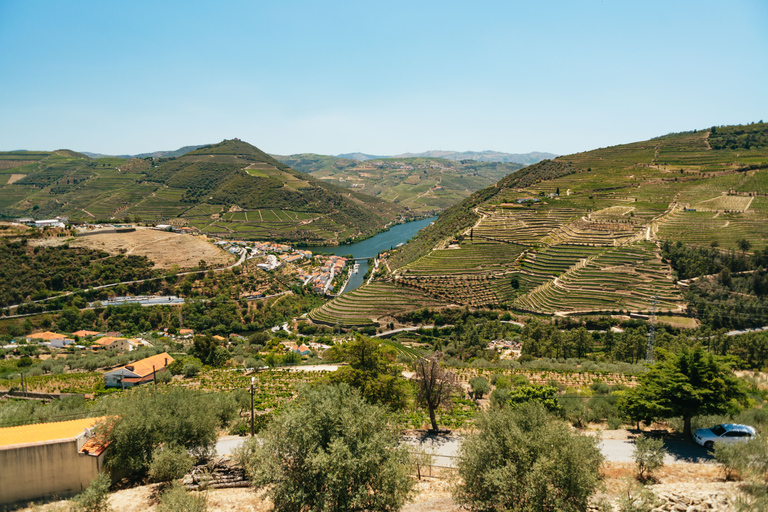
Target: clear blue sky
377,77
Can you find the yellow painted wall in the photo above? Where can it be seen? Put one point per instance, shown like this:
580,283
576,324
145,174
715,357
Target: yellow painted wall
44,470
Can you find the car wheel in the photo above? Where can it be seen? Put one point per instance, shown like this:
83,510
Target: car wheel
709,445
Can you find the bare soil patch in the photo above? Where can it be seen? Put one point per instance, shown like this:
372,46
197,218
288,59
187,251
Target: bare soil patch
434,494
14,178
163,248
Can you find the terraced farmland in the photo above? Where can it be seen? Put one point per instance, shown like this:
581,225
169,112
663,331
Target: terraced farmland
627,277
703,228
368,304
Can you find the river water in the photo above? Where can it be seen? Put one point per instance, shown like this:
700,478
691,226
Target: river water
370,247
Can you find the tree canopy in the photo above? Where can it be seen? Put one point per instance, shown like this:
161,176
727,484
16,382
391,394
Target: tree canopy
371,370
686,384
522,458
331,450
144,419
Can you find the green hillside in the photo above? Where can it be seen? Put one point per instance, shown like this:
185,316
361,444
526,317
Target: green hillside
424,185
582,233
229,189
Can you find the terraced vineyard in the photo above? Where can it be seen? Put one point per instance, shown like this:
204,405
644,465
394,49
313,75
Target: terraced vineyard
230,189
367,304
581,233
626,278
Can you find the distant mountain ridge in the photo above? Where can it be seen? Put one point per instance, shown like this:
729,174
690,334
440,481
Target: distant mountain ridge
156,154
481,156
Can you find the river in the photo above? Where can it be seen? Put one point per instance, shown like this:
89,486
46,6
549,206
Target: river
370,247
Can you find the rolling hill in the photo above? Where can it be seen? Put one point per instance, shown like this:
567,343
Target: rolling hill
229,189
581,233
424,185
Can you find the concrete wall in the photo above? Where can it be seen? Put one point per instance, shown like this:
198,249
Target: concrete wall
43,470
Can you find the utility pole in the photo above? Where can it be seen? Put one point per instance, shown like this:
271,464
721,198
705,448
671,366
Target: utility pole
253,379
649,351
154,376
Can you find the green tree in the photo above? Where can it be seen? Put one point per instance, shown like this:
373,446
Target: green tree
371,370
143,419
522,458
435,386
480,387
331,450
687,384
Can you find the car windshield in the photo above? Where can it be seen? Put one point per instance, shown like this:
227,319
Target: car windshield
718,430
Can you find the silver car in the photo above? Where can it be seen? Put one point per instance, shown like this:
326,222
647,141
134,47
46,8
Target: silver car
725,432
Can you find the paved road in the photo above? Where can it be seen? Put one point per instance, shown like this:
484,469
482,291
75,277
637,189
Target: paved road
445,448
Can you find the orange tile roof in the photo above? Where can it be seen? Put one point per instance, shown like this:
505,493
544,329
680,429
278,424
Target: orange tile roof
41,432
82,333
143,367
105,340
46,335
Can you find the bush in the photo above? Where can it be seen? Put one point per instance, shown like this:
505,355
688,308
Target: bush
177,499
730,456
479,386
170,464
96,497
330,450
143,420
524,459
649,456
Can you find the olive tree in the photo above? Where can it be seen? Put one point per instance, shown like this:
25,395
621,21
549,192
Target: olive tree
523,458
435,385
331,450
142,420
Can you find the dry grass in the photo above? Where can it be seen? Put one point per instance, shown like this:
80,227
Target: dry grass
163,248
432,494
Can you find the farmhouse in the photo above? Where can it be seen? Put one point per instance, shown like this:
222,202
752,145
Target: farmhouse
121,344
140,372
53,339
48,459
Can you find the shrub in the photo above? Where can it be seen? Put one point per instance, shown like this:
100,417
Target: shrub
524,459
170,464
96,497
730,456
177,499
649,456
479,386
330,450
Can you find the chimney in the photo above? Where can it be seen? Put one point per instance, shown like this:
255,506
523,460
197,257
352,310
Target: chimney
166,362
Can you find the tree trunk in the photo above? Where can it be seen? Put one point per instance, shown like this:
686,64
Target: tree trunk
687,426
432,418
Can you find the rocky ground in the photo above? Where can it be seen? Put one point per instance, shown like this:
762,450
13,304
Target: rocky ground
680,488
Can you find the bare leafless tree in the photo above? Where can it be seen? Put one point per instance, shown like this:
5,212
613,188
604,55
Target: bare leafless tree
435,386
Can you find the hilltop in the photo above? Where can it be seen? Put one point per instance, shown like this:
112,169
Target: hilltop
582,233
423,185
230,188
154,154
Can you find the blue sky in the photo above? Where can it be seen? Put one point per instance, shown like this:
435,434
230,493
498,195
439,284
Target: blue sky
377,77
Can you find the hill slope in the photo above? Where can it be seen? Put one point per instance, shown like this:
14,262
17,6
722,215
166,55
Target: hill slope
423,185
581,233
228,189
